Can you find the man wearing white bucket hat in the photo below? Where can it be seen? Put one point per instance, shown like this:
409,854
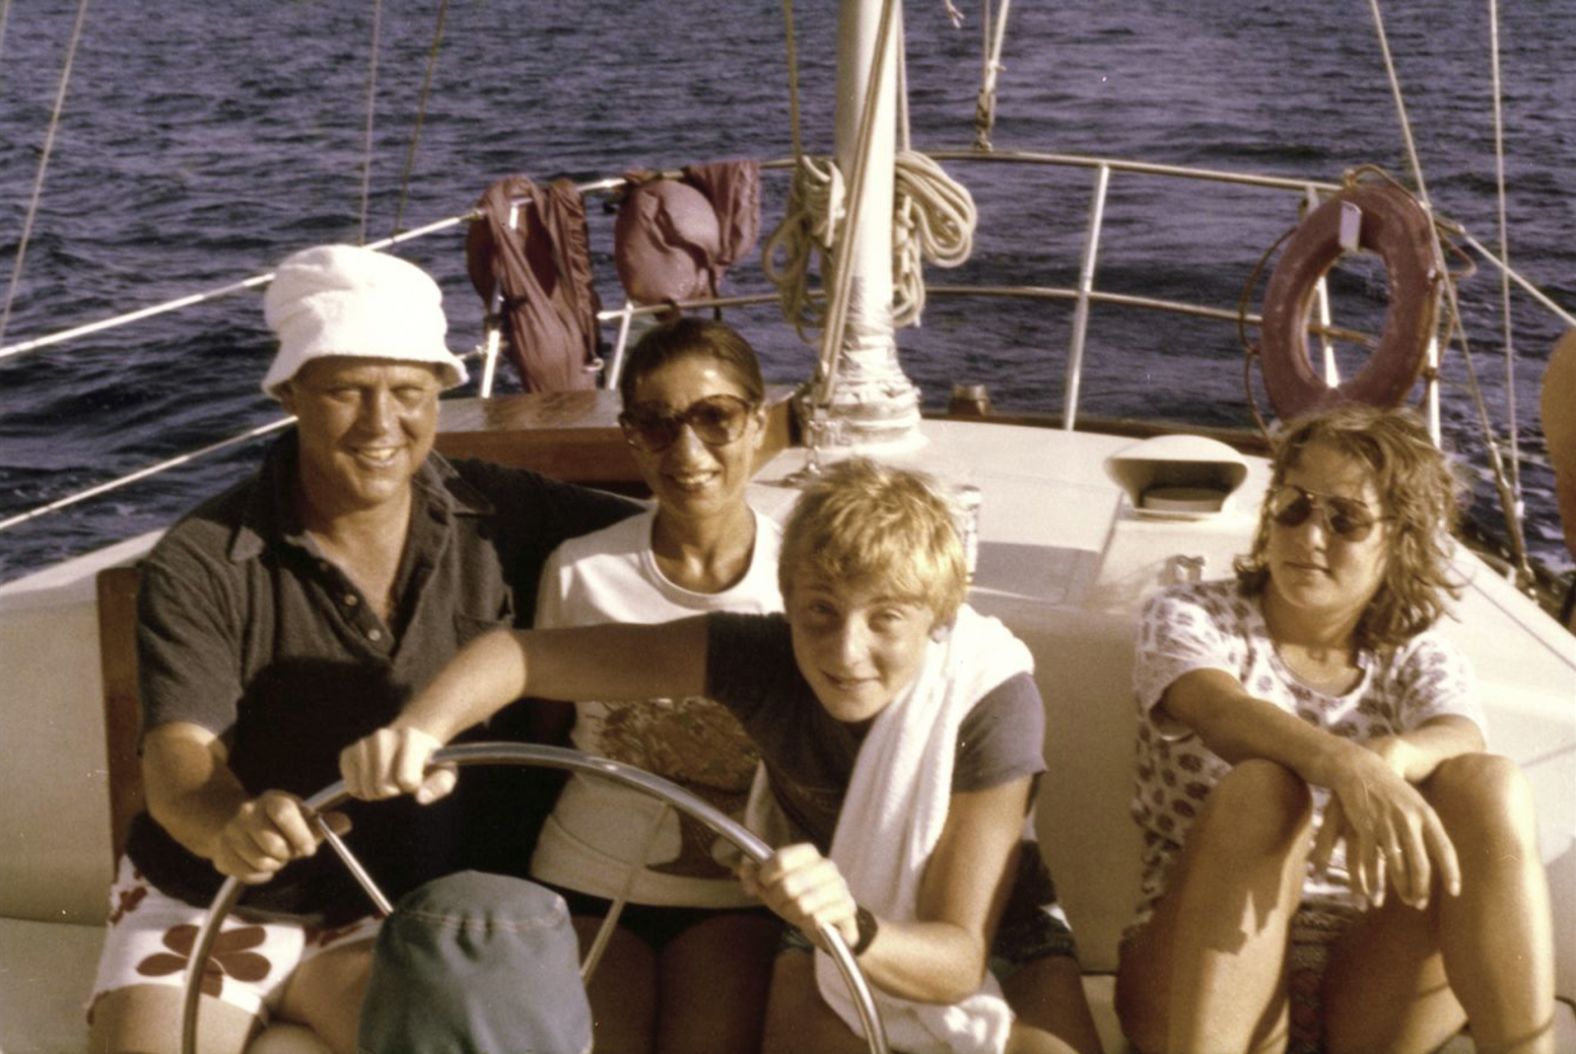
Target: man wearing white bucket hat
284,619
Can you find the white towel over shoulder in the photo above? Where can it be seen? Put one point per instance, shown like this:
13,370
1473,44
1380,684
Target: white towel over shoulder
892,818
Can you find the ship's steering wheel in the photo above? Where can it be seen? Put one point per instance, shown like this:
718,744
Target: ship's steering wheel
663,790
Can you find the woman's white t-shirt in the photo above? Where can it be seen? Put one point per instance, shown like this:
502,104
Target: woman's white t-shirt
598,829
1212,625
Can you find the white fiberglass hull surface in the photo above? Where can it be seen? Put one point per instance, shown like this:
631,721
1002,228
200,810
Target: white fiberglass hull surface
1063,560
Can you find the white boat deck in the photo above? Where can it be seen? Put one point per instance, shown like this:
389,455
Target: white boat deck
1062,559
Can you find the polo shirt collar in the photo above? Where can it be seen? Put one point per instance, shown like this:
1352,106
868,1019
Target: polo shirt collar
271,516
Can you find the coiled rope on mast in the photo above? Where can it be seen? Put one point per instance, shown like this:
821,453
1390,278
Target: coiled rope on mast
934,219
816,203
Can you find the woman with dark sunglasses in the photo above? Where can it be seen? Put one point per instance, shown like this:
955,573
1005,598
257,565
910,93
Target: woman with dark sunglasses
689,965
1330,857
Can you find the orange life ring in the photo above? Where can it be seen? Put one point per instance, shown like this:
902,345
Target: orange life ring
1394,226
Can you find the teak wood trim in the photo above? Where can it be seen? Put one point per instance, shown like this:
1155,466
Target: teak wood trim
117,618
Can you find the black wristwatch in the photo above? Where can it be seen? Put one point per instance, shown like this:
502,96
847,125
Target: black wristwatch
865,924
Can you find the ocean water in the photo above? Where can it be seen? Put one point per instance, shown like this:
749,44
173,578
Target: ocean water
203,141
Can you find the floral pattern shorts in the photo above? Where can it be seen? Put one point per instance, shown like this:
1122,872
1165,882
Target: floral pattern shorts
151,937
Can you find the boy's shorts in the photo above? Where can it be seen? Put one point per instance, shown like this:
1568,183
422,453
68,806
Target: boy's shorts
151,936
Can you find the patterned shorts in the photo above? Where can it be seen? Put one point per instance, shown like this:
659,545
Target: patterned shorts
151,937
1311,937
1314,931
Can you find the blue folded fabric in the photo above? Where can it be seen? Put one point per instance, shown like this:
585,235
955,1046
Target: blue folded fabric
474,963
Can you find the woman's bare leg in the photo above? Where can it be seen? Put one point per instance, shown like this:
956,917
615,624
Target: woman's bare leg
622,992
1053,1014
146,1019
1385,987
796,1019
1207,973
713,981
1487,953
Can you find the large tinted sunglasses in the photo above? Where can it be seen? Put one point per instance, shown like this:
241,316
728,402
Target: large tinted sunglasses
1291,505
716,420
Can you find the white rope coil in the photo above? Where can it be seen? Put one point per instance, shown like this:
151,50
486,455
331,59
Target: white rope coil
934,219
816,204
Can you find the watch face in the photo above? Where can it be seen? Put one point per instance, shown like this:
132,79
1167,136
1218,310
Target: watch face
865,923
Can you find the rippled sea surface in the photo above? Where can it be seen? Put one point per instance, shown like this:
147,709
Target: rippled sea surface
203,141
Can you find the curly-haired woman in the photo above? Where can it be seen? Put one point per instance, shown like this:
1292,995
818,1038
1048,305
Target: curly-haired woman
1327,847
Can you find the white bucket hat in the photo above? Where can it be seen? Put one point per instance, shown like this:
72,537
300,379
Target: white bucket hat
345,300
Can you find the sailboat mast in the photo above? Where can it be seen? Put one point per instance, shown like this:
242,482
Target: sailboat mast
870,395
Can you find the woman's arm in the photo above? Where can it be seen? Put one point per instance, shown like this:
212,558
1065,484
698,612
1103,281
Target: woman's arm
941,956
589,662
1416,754
1379,812
1237,726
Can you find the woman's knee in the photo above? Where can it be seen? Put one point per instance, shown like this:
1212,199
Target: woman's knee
1483,797
1259,805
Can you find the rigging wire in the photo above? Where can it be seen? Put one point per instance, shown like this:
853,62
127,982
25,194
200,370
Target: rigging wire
1507,499
5,16
421,114
793,81
43,167
255,281
372,94
810,217
990,55
934,218
143,473
1504,254
159,467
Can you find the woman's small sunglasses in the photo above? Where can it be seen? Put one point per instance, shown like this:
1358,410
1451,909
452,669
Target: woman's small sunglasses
1290,506
716,420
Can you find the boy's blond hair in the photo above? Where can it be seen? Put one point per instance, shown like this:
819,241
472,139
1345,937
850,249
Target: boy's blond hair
866,522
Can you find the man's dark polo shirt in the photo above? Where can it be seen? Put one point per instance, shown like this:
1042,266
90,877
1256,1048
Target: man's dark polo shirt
246,630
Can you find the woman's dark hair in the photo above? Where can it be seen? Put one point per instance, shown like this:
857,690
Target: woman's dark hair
699,338
1419,495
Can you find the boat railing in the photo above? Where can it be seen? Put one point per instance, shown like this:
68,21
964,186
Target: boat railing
1083,295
